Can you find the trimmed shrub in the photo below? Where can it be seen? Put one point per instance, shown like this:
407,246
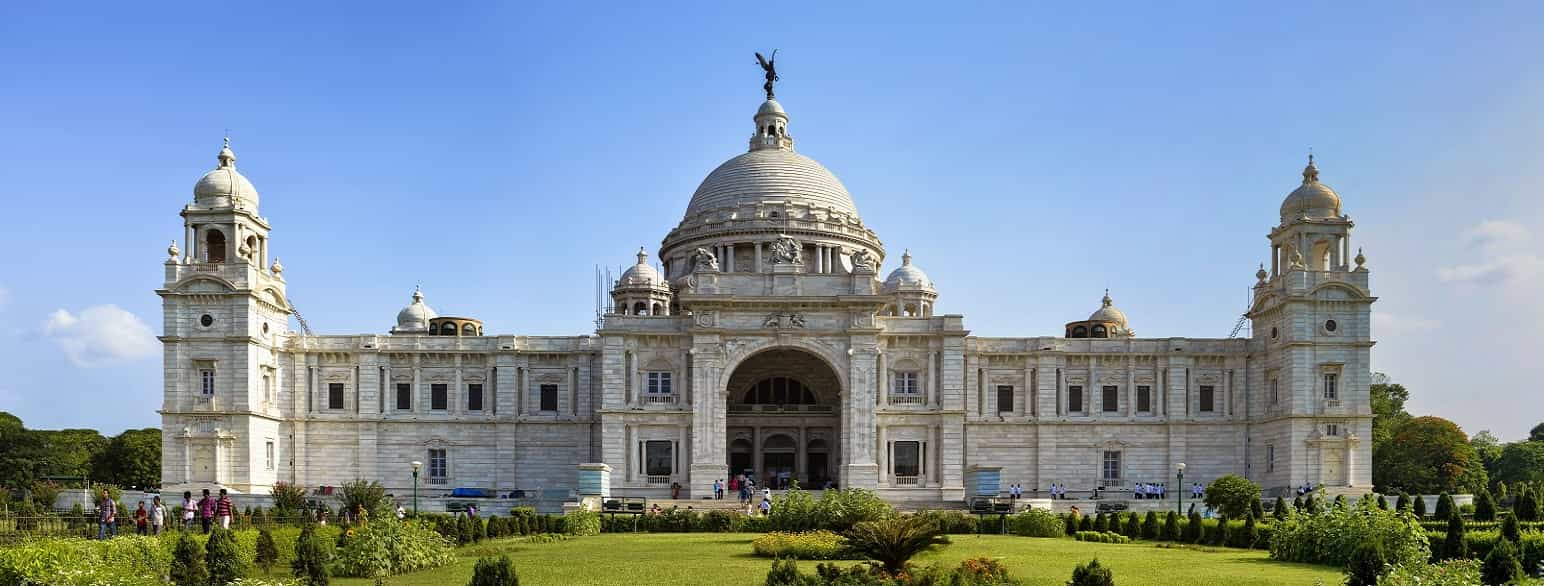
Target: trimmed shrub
1445,507
491,572
581,523
808,545
1102,537
1249,536
267,552
1086,524
222,559
1171,526
1449,573
188,563
784,573
1150,526
1091,574
1484,506
1279,511
1501,566
389,547
1256,509
1193,528
1036,523
1133,526
1420,506
1383,503
312,555
1331,537
1403,502
1072,524
1453,545
1101,523
1219,536
1369,561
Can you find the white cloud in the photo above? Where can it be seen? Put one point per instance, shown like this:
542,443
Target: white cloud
1498,252
100,335
1394,325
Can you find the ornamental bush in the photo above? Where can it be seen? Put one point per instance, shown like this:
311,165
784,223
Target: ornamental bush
389,547
267,553
1171,526
1133,526
1150,526
1501,566
808,545
187,567
312,555
1445,507
1092,574
1193,528
1453,544
223,558
1484,506
581,523
1036,523
1368,563
491,572
1420,506
1448,573
1102,537
1511,529
1231,494
1332,536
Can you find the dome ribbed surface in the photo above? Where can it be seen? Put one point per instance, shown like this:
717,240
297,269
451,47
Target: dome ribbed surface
770,175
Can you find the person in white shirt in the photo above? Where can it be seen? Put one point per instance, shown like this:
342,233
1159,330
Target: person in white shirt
157,515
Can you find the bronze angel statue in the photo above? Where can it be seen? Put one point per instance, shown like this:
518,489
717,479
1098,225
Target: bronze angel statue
769,66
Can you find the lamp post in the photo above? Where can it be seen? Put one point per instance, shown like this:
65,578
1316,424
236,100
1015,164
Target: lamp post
1180,489
416,465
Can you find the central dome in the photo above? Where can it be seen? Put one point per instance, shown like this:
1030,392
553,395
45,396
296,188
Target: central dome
770,175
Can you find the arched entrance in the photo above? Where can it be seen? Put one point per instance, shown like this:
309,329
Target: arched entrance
782,419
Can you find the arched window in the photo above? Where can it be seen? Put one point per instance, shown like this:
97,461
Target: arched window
468,330
1101,332
1079,332
447,329
778,390
640,308
658,309
214,246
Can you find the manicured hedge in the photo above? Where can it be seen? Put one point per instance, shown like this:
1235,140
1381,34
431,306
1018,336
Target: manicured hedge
807,545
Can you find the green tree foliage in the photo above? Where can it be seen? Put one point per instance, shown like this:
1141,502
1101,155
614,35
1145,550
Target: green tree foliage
1420,506
784,573
1231,494
1092,574
187,567
1521,462
131,459
1501,565
1383,503
894,541
1193,528
312,554
1488,448
73,452
1453,546
1428,455
1511,529
1526,506
267,553
1484,506
1256,509
1280,509
1369,561
1388,407
288,499
1403,502
223,558
1251,533
365,495
1445,507
20,454
501,572
1150,525
1101,523
1171,526
1220,532
1537,433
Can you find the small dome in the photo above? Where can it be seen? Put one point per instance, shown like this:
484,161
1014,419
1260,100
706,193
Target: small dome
224,186
770,107
1311,199
907,277
1108,313
641,273
415,317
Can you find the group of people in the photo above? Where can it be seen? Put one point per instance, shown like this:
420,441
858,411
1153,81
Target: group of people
1306,488
207,511
1149,491
151,520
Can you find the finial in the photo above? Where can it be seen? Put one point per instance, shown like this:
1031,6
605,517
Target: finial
173,252
906,258
1107,301
642,256
418,293
1311,172
227,156
277,267
1261,274
1360,259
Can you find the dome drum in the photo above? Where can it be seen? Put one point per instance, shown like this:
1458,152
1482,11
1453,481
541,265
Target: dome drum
465,327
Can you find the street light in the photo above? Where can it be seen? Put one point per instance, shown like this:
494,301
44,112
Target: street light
416,465
1180,489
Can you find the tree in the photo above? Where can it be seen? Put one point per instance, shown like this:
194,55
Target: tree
1511,529
1388,407
1092,574
1256,510
1251,533
893,542
1369,561
1171,526
222,557
1488,448
1193,528
1501,565
187,563
73,452
1383,503
1526,508
1403,502
364,495
1150,526
311,558
1453,545
1444,507
20,454
1231,494
131,459
1279,511
267,553
1484,506
1420,506
1521,462
1428,455
1133,526
1537,433
501,572
1220,532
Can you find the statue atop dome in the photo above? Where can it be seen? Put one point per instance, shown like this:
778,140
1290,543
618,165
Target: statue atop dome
770,67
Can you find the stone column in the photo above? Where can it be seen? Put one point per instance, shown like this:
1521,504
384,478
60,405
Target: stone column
682,476
189,243
884,456
708,432
1019,405
525,397
758,258
730,256
458,393
883,378
573,393
798,458
1131,387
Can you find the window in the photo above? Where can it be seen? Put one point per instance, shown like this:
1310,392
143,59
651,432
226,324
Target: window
906,383
1208,398
447,329
1330,325
1075,399
908,459
659,383
1144,399
1332,430
1270,457
214,246
1004,398
268,455
1275,391
658,457
404,397
438,468
206,320
474,397
549,397
1330,391
779,391
267,386
468,330
1100,332
1079,332
206,377
1111,466
1111,399
439,397
334,395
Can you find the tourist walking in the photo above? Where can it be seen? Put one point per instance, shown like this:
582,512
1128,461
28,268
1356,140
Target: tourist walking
206,511
222,510
157,516
718,490
141,520
189,510
107,516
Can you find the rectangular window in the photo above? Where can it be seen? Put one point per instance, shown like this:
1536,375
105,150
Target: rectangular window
1330,392
474,397
1208,398
1111,465
908,458
206,377
1332,430
1144,399
1270,457
439,397
1004,398
404,397
268,455
268,387
438,467
1275,390
549,397
906,383
1110,402
659,383
1075,399
334,395
658,457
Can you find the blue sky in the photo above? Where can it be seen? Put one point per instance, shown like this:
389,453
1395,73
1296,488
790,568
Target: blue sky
1028,156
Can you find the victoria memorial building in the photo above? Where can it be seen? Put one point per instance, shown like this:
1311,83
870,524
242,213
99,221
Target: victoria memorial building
778,336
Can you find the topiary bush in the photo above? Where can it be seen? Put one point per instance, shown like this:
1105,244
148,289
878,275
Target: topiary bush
1453,543
491,572
581,523
1102,537
312,554
1368,563
266,554
1036,523
1445,507
1193,532
1171,526
187,567
785,573
1484,506
1501,565
223,558
1092,574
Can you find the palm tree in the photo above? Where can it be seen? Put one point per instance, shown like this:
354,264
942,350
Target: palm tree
892,542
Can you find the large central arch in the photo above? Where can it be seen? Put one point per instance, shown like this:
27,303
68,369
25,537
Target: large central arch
783,418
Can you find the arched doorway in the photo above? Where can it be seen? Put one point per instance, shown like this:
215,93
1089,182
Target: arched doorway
782,419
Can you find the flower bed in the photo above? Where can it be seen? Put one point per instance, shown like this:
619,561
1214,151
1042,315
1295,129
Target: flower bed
807,545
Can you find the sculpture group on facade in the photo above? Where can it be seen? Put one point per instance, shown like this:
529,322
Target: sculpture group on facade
786,250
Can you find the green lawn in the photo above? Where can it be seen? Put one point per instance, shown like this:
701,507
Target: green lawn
712,558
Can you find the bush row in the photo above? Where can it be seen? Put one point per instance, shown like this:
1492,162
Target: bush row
1101,537
807,545
1477,545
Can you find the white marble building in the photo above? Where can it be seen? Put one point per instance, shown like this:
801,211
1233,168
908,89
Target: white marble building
769,343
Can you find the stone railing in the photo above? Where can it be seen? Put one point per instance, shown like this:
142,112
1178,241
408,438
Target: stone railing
907,480
657,480
907,399
659,398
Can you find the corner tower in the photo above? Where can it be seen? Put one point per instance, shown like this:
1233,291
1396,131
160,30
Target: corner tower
225,318
1311,317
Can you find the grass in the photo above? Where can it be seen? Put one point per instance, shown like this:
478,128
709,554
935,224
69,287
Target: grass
710,558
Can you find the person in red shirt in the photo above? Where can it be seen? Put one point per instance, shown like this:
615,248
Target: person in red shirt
142,519
223,510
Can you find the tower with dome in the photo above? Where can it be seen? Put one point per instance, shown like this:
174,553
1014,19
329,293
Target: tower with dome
771,342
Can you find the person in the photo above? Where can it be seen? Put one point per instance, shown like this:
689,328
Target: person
206,511
157,515
141,520
1196,491
718,489
471,511
766,506
107,517
223,510
766,494
189,510
401,512
734,484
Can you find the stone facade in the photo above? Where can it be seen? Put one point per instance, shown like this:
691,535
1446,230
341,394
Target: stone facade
766,343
